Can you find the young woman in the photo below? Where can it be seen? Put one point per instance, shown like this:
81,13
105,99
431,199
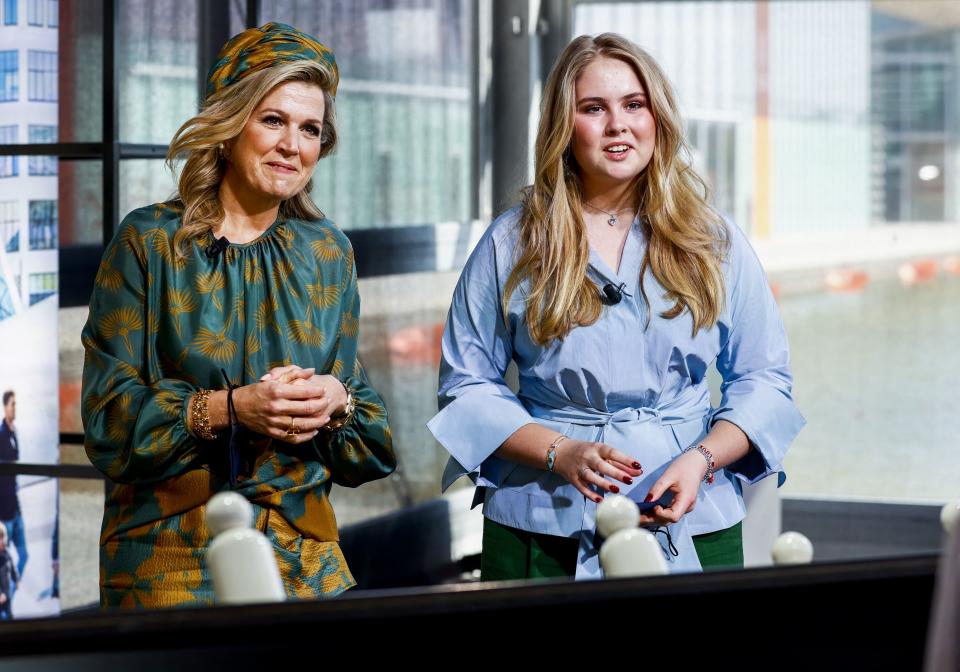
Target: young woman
613,287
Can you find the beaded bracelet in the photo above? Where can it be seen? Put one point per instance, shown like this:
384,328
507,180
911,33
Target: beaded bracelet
339,421
200,417
708,456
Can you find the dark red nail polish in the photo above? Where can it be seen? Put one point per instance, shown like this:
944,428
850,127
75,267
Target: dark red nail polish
628,480
649,498
614,489
598,500
636,465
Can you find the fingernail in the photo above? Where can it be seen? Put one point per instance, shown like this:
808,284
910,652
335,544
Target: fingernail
649,498
614,489
628,480
598,500
636,465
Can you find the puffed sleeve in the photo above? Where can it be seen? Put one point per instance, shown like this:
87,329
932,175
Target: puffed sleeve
754,362
362,450
478,411
134,421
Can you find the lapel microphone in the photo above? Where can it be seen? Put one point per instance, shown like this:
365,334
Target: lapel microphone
220,245
612,294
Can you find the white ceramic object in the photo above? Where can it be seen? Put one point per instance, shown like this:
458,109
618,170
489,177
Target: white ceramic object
792,548
616,513
949,515
632,552
241,561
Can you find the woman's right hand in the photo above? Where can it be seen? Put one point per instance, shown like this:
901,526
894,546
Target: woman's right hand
274,407
587,463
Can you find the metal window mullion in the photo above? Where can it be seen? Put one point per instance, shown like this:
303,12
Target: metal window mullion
253,13
479,206
111,118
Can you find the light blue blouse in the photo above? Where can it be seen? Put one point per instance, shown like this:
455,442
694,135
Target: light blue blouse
639,388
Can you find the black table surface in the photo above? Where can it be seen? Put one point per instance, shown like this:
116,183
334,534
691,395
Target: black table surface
840,615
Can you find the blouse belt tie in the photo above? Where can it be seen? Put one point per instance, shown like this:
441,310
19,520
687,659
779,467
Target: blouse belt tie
692,404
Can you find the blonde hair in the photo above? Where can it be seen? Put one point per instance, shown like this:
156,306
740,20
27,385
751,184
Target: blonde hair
222,118
3,533
686,238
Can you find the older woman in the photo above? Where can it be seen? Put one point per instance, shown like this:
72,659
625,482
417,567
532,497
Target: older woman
613,287
221,347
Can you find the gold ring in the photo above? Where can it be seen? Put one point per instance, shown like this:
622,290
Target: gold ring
293,431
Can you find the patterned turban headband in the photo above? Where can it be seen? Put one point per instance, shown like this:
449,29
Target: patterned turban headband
258,48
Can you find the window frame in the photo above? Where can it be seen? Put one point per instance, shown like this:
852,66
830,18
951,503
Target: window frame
10,9
35,12
5,72
39,75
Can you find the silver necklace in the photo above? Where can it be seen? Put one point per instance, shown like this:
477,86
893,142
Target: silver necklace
613,215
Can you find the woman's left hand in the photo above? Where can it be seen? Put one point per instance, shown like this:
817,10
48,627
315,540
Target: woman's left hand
682,478
334,392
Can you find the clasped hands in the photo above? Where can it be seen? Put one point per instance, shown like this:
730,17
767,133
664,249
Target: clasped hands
290,403
588,463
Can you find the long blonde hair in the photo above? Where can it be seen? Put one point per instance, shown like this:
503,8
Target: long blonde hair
686,242
222,118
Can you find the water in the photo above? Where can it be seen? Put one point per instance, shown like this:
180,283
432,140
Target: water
876,375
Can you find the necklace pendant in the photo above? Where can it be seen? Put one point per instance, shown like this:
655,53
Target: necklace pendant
612,221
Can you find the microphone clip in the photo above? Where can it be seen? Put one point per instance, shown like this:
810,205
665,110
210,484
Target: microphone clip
217,247
612,294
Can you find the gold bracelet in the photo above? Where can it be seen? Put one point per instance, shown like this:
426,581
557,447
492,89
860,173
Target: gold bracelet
200,417
340,420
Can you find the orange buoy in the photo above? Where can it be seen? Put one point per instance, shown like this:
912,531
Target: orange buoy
846,280
921,270
418,344
951,265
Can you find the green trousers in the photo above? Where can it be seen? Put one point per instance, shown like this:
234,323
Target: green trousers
509,553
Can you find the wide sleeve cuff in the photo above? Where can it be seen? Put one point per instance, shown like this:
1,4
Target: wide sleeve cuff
475,424
771,422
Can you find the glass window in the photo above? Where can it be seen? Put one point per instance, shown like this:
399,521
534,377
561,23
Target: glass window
41,286
404,109
8,164
35,12
53,13
142,182
81,513
80,52
9,75
9,12
42,165
10,225
158,68
7,299
42,75
43,225
80,188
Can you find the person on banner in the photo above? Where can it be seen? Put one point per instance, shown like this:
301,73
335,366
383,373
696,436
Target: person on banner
10,513
8,578
221,347
613,287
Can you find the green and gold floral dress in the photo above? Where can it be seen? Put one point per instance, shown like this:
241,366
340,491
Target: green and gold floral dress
161,328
